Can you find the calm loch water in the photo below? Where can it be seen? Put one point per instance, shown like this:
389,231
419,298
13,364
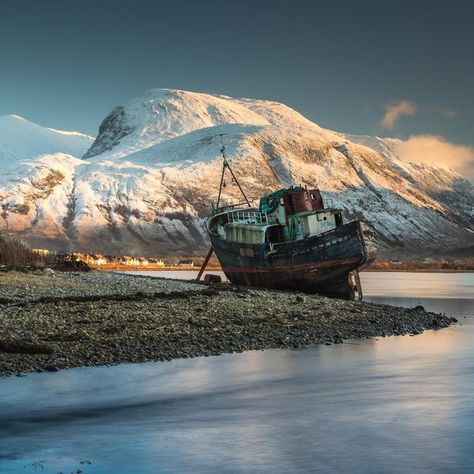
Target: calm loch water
388,405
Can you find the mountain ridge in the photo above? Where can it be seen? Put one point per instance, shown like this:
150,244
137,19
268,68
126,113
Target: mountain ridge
20,138
146,182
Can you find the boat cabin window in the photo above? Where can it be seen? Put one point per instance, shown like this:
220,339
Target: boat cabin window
275,234
338,219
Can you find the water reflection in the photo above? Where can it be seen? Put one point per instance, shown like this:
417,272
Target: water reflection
419,285
386,284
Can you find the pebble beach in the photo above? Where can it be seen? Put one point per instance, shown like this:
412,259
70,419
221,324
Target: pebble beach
57,320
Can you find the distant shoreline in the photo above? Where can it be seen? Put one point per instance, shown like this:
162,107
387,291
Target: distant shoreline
415,270
196,268
151,268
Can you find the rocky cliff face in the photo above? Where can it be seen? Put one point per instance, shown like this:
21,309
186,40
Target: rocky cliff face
146,183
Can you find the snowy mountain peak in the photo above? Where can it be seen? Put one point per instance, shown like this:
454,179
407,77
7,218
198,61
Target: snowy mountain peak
20,138
12,118
162,114
151,174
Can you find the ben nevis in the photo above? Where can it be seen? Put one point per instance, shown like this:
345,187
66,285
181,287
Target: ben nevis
149,178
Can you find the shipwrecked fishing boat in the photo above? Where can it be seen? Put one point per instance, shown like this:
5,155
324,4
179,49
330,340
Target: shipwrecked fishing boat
292,240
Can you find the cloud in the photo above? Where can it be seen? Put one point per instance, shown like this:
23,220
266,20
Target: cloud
448,112
395,110
436,150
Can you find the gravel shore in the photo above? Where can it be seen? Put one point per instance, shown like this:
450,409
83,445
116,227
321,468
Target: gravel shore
60,320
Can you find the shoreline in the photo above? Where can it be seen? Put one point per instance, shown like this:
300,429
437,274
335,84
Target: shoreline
150,268
64,320
419,270
219,269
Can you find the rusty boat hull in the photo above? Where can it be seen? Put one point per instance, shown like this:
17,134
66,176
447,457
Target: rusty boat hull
318,264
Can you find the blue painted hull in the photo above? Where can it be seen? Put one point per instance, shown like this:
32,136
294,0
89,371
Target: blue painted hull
319,264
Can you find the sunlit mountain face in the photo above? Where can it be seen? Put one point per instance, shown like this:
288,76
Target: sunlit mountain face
147,182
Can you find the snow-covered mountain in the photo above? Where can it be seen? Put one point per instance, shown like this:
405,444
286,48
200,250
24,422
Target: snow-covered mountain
146,183
21,139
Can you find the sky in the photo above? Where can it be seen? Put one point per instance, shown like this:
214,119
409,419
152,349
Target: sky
388,68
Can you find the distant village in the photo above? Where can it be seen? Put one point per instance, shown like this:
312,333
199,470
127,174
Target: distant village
113,261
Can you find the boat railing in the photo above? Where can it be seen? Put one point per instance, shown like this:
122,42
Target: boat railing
241,216
226,207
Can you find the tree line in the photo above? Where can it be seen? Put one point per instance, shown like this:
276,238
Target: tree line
14,254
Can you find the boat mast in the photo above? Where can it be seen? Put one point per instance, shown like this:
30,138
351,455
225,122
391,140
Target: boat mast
225,165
